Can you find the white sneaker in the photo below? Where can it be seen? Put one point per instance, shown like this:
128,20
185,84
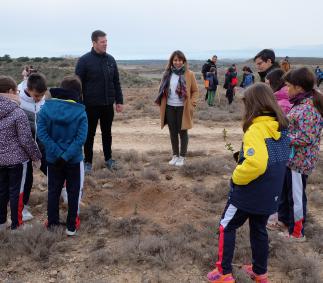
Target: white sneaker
64,195
180,161
26,215
3,227
173,161
70,233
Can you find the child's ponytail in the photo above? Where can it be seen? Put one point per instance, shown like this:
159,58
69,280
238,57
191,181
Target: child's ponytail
318,101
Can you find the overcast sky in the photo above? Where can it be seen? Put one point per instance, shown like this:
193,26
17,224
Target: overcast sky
154,28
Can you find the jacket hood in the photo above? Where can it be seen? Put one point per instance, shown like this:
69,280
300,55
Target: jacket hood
6,106
12,97
268,124
24,96
282,93
61,93
62,111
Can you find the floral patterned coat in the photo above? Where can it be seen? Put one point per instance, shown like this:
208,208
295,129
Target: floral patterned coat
304,130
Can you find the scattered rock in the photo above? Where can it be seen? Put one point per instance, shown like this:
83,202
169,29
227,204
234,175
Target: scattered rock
53,273
107,186
168,177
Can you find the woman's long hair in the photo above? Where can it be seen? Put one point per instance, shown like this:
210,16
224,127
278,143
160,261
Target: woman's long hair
180,55
259,100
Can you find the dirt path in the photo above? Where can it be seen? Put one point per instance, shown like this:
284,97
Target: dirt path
145,135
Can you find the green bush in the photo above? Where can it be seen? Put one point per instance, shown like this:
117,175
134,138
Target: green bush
23,59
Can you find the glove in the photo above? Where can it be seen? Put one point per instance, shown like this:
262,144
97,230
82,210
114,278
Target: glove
236,156
60,163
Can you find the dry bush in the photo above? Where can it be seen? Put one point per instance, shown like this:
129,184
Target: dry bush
139,104
150,174
90,182
302,268
197,153
161,249
165,168
99,244
127,226
240,276
94,217
316,197
35,241
131,156
133,182
213,195
220,112
209,166
37,198
101,257
102,174
98,161
299,267
314,233
316,178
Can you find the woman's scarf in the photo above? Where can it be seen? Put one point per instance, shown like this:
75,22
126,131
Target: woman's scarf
181,86
299,97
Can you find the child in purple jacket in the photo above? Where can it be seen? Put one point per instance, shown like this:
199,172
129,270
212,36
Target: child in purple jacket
17,147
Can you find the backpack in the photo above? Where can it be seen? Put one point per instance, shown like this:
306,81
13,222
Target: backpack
234,81
248,80
212,82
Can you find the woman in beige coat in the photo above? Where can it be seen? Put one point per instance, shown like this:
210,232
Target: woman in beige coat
177,97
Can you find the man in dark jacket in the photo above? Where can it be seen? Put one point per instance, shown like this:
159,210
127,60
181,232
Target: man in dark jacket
101,89
208,65
265,62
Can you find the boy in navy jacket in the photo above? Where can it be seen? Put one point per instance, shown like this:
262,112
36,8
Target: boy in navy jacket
62,128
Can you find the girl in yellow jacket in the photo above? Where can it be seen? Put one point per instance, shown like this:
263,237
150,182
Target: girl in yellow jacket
256,183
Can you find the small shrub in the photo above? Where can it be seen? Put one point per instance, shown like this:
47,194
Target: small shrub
150,174
213,195
131,156
204,167
94,217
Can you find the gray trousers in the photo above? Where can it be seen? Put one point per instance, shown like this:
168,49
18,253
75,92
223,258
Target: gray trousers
174,116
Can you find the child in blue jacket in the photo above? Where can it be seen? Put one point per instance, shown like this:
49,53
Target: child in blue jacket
62,128
256,183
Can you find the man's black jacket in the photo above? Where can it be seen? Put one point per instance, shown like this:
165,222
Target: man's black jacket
100,79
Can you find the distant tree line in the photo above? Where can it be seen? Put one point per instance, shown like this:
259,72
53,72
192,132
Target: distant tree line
8,59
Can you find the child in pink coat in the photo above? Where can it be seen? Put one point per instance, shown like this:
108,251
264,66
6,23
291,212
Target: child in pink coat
274,79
